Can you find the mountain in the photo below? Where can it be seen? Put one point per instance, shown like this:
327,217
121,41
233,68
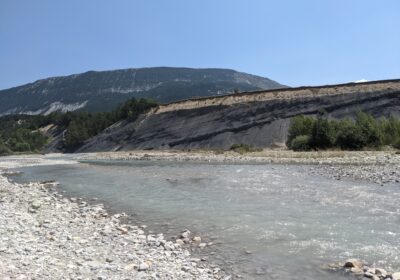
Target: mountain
260,119
103,91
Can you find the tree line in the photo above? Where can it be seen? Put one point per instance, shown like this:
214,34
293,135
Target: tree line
22,133
363,132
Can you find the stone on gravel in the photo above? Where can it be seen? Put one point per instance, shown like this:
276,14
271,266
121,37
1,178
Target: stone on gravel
396,276
381,272
144,266
353,263
36,204
185,234
197,239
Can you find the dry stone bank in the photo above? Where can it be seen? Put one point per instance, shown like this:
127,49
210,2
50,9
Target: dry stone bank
46,236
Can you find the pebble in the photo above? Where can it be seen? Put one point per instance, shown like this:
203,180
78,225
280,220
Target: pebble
185,234
36,204
144,266
197,239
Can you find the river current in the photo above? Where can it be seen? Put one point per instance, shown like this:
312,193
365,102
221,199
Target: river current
266,221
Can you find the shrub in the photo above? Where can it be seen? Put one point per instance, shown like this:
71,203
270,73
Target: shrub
397,144
300,125
301,143
22,147
390,127
243,148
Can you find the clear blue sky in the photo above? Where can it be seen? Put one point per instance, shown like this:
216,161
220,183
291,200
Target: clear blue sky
307,42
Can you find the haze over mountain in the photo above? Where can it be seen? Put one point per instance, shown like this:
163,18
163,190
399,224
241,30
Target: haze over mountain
102,91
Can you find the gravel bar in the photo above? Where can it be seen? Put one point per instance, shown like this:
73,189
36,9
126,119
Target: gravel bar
46,236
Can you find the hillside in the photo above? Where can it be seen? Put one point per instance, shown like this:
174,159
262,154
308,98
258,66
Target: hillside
260,119
103,91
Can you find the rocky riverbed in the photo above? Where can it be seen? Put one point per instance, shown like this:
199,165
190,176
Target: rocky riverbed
264,156
381,167
361,270
46,236
381,174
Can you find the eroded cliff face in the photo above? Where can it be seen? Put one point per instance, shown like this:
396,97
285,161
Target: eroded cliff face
258,118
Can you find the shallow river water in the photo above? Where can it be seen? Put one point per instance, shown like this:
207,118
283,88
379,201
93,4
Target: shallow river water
267,221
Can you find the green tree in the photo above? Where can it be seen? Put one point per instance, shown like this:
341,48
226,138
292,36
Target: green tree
390,128
75,135
349,136
4,150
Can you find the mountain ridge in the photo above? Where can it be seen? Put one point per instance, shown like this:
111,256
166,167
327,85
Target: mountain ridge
104,90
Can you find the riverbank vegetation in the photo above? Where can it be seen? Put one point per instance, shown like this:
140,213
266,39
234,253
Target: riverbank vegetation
363,132
25,134
243,148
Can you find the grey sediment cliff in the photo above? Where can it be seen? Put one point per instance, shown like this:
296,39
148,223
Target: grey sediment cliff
260,118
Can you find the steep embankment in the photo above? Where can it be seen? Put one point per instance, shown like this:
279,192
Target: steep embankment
103,91
259,118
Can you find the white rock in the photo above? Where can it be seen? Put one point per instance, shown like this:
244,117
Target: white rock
197,239
185,234
36,204
357,271
180,242
144,266
123,230
396,276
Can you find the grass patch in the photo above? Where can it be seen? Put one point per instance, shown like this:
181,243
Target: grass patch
244,148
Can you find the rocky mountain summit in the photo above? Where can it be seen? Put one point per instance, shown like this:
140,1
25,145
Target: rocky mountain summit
103,91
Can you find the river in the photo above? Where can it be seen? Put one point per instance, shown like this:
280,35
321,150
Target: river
266,221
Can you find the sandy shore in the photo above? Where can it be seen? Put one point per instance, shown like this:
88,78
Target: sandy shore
46,236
